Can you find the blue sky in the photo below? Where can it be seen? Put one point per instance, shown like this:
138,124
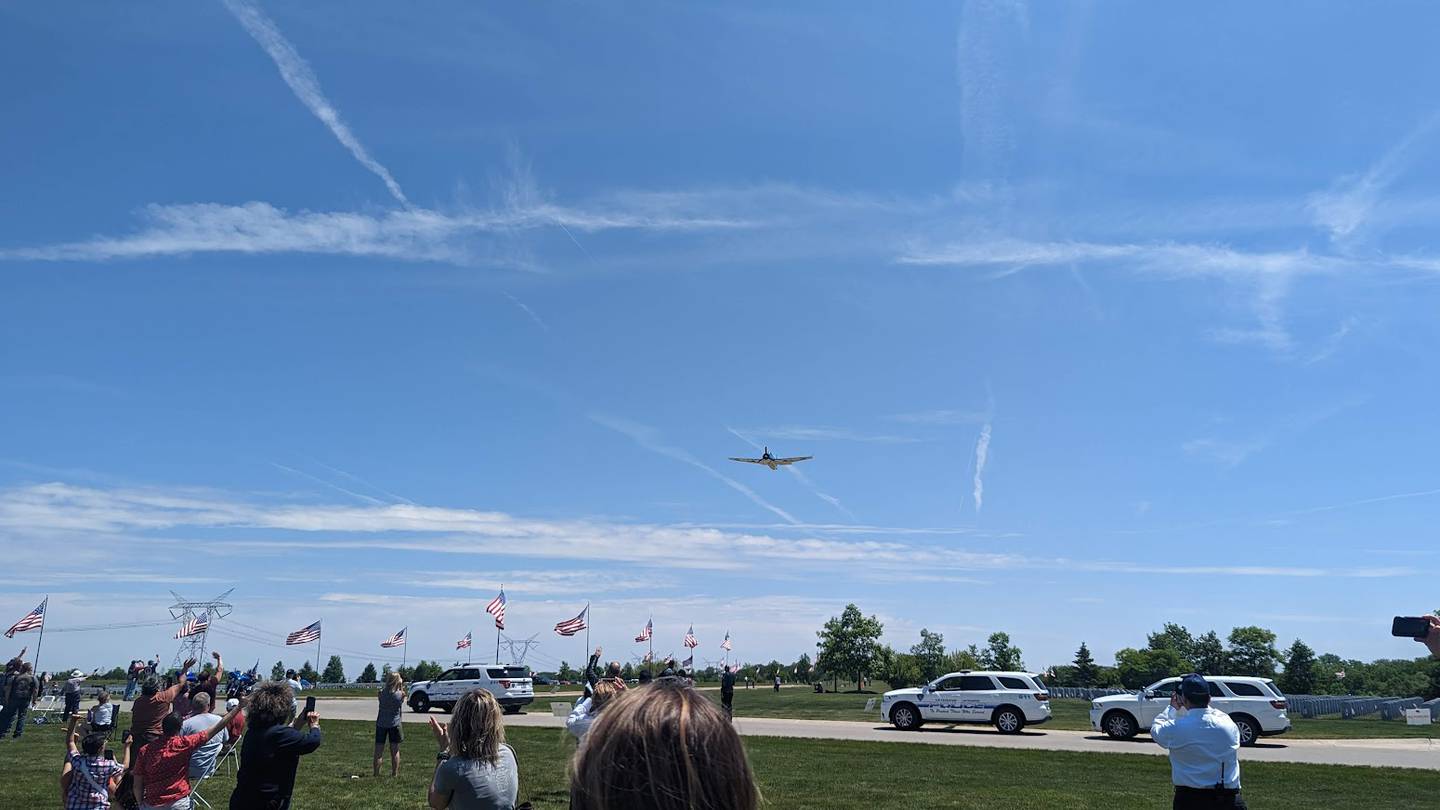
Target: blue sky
1094,316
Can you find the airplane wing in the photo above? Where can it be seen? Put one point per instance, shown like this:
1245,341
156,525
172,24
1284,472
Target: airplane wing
748,460
792,460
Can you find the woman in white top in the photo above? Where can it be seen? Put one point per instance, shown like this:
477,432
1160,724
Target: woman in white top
586,710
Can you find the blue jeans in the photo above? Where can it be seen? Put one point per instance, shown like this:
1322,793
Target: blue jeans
17,713
130,687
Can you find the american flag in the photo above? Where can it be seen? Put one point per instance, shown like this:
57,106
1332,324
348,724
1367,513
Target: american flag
32,620
647,632
726,645
463,643
690,638
304,635
397,640
496,608
688,662
194,626
570,627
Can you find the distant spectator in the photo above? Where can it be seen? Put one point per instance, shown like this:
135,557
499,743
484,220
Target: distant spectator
21,692
161,773
102,715
149,711
88,780
645,676
588,709
181,704
202,760
669,671
210,684
666,747
132,678
727,691
1431,639
475,769
777,682
387,721
270,753
12,667
71,692
235,729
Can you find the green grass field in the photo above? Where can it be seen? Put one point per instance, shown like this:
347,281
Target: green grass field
1071,715
793,773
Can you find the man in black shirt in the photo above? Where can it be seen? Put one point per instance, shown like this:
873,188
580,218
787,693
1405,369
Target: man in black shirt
727,690
271,750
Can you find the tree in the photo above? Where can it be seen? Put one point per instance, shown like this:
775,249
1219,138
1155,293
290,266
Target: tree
425,671
385,671
849,642
308,673
367,675
277,672
898,669
1137,668
1299,675
1208,655
998,654
802,667
1252,652
1085,670
116,674
334,671
958,660
930,654
566,673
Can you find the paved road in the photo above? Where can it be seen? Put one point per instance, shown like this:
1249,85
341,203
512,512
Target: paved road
1407,753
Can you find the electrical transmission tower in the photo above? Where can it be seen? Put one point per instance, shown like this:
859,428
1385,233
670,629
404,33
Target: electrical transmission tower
183,611
524,644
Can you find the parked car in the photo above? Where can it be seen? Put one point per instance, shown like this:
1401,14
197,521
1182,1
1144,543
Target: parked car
1008,700
511,686
1255,704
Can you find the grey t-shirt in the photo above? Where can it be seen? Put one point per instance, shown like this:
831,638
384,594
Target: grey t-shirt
478,785
390,704
202,759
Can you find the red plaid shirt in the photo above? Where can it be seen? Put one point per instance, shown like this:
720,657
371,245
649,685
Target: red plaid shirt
82,795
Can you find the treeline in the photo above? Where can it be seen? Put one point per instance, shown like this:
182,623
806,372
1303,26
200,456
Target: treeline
1173,650
850,650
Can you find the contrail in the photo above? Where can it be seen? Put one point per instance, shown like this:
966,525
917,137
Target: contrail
357,479
645,437
528,311
302,80
982,452
322,482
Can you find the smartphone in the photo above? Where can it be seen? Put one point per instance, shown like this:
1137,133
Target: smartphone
1410,627
110,753
309,705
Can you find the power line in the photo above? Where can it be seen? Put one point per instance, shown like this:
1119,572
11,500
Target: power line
85,628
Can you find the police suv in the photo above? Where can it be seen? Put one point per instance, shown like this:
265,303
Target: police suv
1007,700
511,686
1255,704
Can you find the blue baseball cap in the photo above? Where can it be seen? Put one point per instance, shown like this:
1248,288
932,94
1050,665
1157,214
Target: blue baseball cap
1194,686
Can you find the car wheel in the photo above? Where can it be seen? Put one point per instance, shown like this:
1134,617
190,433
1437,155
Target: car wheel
1248,728
905,717
1009,720
510,709
1119,725
420,702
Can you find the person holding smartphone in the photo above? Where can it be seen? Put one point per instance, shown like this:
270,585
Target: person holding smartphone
1431,639
1204,747
90,776
275,739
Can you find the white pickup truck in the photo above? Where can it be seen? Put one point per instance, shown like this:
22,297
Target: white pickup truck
511,686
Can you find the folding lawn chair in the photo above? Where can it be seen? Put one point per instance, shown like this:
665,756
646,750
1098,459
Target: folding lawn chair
48,704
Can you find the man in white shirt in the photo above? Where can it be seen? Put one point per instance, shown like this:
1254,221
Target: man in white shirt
1204,748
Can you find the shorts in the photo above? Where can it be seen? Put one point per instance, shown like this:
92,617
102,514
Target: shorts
391,734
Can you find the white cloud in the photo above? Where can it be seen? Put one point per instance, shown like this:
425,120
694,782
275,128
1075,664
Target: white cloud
302,81
1347,206
982,455
940,417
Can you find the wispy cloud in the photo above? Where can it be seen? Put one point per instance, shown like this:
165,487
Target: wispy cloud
1346,207
940,417
649,439
1331,345
527,310
361,481
1232,452
306,86
322,482
821,433
982,455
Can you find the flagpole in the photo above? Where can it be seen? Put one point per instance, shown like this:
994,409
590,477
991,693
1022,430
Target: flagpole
470,637
317,650
44,614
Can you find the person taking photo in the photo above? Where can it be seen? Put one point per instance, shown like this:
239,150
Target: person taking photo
1204,747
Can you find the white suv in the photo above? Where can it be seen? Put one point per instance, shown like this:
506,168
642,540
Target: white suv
1255,704
1008,700
511,686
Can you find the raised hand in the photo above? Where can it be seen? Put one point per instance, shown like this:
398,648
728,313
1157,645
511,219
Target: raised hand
189,662
441,737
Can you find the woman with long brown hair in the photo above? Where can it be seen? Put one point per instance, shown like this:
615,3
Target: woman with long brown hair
475,769
387,721
662,747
